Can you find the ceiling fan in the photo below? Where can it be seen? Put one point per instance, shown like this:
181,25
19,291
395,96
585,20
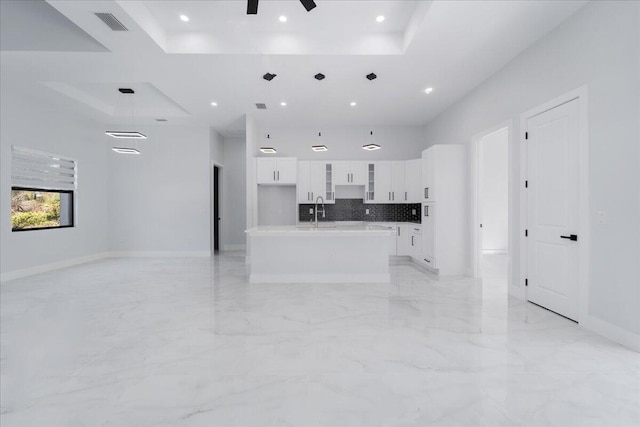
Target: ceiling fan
252,6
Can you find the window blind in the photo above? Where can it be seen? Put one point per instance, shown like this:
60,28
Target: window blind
36,169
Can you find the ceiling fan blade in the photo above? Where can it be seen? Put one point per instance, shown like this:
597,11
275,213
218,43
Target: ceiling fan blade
308,4
252,7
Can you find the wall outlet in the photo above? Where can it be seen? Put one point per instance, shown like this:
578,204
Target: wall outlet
602,217
366,211
310,211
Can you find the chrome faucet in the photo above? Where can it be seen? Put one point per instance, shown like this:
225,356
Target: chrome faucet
316,209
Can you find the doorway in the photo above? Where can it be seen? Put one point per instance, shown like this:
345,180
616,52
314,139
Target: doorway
216,208
491,212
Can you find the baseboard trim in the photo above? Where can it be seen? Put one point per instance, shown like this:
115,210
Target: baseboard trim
612,332
239,247
319,278
516,292
160,254
494,252
44,268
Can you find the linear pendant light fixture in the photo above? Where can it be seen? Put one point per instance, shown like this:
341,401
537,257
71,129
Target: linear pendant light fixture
319,148
125,134
122,150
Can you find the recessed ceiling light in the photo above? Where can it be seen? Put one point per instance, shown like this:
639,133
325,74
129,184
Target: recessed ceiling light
319,148
283,104
125,150
268,150
371,147
184,18
380,18
282,18
428,90
125,134
214,104
353,103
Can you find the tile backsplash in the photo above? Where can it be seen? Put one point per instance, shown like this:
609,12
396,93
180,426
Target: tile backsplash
355,210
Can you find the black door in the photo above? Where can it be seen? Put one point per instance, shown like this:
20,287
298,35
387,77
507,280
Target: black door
216,204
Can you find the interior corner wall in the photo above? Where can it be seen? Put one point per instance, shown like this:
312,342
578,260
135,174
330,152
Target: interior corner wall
234,221
160,200
494,175
599,46
35,124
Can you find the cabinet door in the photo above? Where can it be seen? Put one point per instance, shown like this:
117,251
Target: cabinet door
303,185
415,242
429,232
398,189
383,185
358,172
265,170
329,188
286,172
316,177
413,180
402,240
341,173
370,190
428,174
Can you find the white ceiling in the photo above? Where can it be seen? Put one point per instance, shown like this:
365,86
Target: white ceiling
451,46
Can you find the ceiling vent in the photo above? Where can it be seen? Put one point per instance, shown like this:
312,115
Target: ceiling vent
111,21
261,106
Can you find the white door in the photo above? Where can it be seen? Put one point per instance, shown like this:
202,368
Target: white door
287,170
341,173
553,183
265,171
398,189
382,179
304,183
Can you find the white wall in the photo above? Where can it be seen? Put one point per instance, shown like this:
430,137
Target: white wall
277,205
234,221
599,47
38,125
160,201
344,143
494,174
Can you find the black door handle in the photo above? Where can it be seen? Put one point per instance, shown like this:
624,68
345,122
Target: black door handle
572,237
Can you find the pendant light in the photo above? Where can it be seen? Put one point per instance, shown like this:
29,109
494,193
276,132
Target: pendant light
127,134
319,147
371,146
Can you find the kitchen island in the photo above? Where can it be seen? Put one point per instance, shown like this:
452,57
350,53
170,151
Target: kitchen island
323,254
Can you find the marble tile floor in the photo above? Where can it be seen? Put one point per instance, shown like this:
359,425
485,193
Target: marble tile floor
188,342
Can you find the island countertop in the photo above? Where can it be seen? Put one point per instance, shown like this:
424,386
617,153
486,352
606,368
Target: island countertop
323,228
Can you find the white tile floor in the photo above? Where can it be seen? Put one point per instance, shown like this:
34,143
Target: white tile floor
167,342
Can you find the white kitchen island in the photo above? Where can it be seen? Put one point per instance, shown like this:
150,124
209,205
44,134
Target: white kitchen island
327,254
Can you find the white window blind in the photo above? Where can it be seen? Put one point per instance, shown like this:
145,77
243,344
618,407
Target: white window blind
36,169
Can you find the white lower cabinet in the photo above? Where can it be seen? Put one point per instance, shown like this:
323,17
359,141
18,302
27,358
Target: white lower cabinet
429,234
402,240
415,242
392,238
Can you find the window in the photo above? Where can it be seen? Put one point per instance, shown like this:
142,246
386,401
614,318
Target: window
42,190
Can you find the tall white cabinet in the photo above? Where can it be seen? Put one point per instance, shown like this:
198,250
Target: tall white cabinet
444,180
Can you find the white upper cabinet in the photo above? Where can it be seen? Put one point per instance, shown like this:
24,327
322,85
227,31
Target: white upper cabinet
398,187
276,170
383,187
428,174
349,172
315,179
413,181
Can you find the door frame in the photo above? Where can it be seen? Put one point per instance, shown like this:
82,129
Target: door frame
221,195
581,95
476,233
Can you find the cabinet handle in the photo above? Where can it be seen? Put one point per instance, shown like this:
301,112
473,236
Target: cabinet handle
405,196
389,195
333,195
427,261
398,231
412,240
274,175
426,210
278,175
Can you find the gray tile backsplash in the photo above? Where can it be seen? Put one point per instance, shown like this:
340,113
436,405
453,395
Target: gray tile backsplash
355,210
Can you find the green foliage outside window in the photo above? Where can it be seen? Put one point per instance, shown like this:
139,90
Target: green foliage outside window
34,209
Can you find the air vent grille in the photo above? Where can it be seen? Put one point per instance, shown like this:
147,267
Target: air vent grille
261,106
111,21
